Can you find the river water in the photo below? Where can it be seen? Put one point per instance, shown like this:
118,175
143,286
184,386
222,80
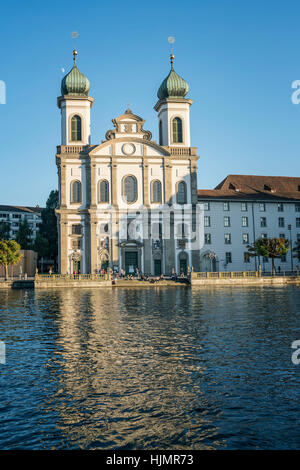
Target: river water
156,368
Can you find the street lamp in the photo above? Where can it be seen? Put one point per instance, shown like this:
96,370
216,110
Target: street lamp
290,229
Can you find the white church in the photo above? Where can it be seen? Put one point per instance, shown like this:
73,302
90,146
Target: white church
129,203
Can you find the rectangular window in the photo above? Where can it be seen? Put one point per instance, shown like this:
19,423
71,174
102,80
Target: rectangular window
281,235
297,207
226,221
280,207
245,238
263,221
298,237
4,216
244,221
226,206
283,258
280,222
207,239
262,207
244,206
246,257
264,235
227,239
228,257
298,222
16,216
206,206
206,221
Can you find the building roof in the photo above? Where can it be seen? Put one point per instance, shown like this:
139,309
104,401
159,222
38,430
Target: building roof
28,209
254,187
173,85
75,83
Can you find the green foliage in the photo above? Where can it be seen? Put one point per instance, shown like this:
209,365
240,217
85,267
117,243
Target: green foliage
9,254
4,230
23,236
41,245
48,228
269,248
296,250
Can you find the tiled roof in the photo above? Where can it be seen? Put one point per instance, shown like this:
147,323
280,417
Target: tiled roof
254,187
21,209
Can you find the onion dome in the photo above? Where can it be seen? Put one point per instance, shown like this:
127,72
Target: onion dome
75,83
173,86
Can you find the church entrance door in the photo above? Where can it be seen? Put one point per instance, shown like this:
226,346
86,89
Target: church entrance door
183,266
76,267
157,267
131,261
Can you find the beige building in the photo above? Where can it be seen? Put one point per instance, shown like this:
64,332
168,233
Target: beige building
121,202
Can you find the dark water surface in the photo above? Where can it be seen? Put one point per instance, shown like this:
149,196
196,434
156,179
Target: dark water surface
169,368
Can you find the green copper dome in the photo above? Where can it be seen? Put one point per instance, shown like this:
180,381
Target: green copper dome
173,86
75,83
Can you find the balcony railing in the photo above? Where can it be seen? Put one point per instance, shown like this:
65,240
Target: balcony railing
72,277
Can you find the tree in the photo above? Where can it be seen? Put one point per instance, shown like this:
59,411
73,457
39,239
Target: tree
23,236
41,246
4,230
296,250
269,248
9,254
48,226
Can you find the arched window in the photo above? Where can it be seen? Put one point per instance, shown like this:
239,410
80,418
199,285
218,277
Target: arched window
103,191
181,193
156,191
160,132
177,130
76,128
130,189
76,191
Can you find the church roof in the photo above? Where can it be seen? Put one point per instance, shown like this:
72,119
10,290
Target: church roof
254,187
173,85
75,83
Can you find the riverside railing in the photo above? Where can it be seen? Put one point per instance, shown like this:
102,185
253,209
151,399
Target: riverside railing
241,274
70,277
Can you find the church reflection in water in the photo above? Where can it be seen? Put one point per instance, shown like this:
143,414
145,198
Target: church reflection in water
128,369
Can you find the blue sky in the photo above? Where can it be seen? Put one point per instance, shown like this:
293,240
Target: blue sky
239,59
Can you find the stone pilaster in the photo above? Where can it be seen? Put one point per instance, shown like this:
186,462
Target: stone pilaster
63,241
93,244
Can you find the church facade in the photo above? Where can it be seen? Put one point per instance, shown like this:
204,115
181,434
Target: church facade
127,203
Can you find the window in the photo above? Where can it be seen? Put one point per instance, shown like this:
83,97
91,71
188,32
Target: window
207,239
280,222
225,206
206,221
181,193
246,257
297,207
76,128
244,206
4,215
265,259
297,221
245,238
262,207
156,191
282,235
16,216
206,206
227,238
264,235
298,237
244,221
177,130
280,207
283,258
228,257
76,191
263,221
130,189
226,221
160,132
103,191
76,229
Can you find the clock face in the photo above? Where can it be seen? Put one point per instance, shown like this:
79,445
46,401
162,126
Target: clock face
128,149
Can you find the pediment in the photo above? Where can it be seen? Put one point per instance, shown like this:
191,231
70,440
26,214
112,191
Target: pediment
129,147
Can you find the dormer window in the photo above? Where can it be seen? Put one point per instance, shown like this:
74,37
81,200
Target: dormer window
268,188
